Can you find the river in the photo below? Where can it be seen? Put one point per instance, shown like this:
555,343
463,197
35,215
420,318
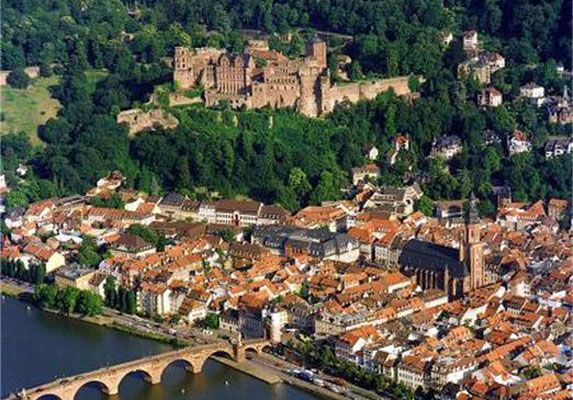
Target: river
38,347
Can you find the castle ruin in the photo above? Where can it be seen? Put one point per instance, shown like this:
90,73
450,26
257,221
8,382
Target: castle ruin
261,77
139,120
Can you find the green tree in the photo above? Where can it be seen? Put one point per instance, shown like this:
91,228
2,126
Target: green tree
492,160
465,183
298,183
22,272
18,79
327,357
16,198
89,303
425,205
4,230
46,296
486,208
113,201
503,120
327,188
211,321
131,307
147,234
355,72
46,59
87,253
227,235
67,300
413,83
304,290
7,267
39,273
110,292
121,299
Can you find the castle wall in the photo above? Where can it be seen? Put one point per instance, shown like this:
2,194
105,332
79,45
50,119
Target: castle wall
353,92
235,100
338,94
176,99
276,95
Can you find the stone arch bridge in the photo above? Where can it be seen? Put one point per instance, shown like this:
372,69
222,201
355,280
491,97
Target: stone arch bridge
152,367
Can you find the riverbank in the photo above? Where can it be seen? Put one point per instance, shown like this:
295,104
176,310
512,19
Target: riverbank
8,289
69,347
314,390
251,369
270,377
267,375
178,343
20,293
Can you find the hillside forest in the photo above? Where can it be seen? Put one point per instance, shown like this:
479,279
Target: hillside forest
278,156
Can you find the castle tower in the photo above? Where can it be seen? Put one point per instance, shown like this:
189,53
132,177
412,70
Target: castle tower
308,104
181,67
316,50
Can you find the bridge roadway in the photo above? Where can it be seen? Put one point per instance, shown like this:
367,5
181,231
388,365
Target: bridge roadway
108,379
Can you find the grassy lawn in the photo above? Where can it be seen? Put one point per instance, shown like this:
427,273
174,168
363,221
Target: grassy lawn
26,109
93,77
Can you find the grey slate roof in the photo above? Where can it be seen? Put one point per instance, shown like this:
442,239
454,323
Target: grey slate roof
433,257
319,242
173,199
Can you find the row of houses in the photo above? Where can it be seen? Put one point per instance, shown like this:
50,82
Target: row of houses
454,306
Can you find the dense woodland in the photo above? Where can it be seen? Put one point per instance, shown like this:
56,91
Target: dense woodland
279,156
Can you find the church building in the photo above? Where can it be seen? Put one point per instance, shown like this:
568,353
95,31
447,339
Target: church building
455,271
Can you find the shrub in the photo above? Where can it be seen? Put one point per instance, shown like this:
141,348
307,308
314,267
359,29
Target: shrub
18,79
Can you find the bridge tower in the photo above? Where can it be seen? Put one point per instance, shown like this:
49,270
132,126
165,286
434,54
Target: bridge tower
238,349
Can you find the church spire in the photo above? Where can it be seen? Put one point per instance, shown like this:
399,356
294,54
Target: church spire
472,216
473,252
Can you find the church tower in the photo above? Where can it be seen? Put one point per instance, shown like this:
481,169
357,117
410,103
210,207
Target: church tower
472,248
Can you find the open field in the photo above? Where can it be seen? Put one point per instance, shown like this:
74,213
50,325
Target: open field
93,76
26,109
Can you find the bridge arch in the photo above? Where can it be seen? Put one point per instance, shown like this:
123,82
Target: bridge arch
182,361
142,373
227,353
108,380
250,350
198,366
258,348
49,396
102,386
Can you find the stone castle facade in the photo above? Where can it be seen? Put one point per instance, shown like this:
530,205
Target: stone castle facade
261,77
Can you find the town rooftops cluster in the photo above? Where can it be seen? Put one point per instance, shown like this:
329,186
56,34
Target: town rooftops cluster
456,303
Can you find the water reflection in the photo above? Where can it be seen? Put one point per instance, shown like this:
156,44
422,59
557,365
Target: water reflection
38,347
